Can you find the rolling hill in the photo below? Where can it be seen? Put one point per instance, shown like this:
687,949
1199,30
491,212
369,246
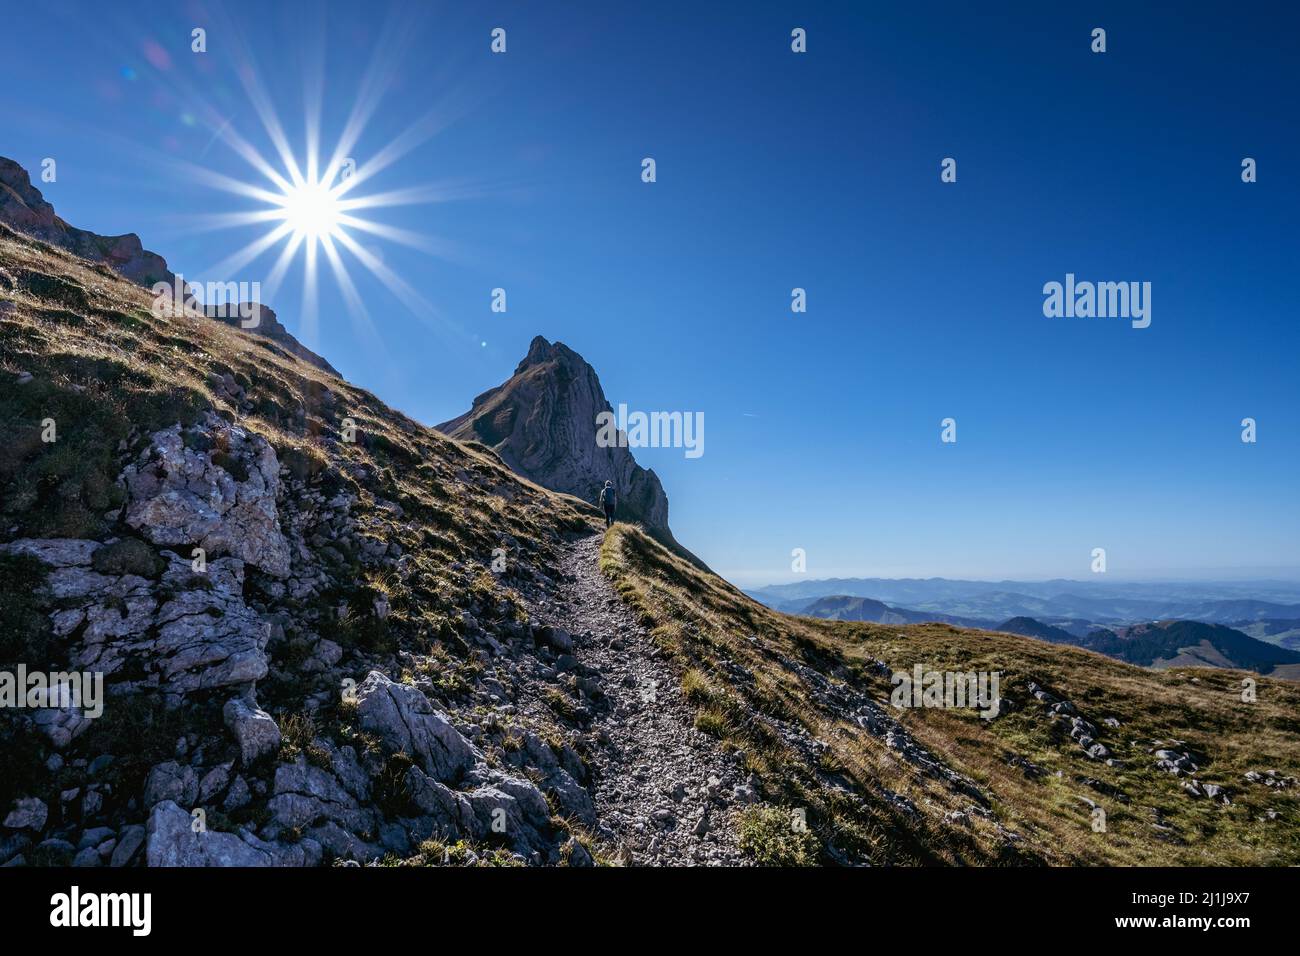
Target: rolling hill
842,607
806,701
1171,643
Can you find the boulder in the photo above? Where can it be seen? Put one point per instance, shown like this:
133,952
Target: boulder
253,729
305,794
237,796
575,853
171,782
129,841
222,499
406,722
28,813
171,841
342,845
450,812
87,857
510,807
56,552
213,782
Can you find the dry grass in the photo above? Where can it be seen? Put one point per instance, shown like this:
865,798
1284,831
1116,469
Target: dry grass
109,372
106,365
711,627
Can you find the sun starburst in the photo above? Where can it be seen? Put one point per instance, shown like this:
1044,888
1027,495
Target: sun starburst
313,205
312,210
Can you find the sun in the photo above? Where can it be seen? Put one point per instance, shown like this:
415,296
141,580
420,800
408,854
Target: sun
312,210
309,201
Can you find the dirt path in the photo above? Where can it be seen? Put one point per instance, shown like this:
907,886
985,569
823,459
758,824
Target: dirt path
664,792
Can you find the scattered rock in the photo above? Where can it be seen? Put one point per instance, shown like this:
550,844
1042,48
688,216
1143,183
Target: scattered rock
129,841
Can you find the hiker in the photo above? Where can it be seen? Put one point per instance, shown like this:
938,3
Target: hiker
609,498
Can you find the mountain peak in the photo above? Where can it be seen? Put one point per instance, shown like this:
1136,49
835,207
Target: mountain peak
542,423
24,208
541,352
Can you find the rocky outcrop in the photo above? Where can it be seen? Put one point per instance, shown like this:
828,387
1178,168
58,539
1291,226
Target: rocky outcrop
461,796
405,721
180,634
184,495
24,208
542,423
1082,731
173,840
253,729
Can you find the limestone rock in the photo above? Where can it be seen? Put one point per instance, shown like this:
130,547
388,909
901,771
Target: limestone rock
56,552
306,794
405,720
542,422
253,729
129,841
171,782
172,842
28,813
184,496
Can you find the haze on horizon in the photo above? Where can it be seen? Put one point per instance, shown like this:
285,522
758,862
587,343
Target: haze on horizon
1287,576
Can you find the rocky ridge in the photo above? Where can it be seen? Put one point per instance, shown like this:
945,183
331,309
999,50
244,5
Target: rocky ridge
24,208
542,423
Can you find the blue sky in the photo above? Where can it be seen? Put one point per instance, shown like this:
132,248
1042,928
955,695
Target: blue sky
778,170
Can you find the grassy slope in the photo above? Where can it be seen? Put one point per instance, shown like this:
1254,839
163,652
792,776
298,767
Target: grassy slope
109,373
103,366
709,627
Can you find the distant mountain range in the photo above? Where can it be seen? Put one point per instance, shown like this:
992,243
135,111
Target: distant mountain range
1213,624
1173,644
842,607
1077,606
1282,633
